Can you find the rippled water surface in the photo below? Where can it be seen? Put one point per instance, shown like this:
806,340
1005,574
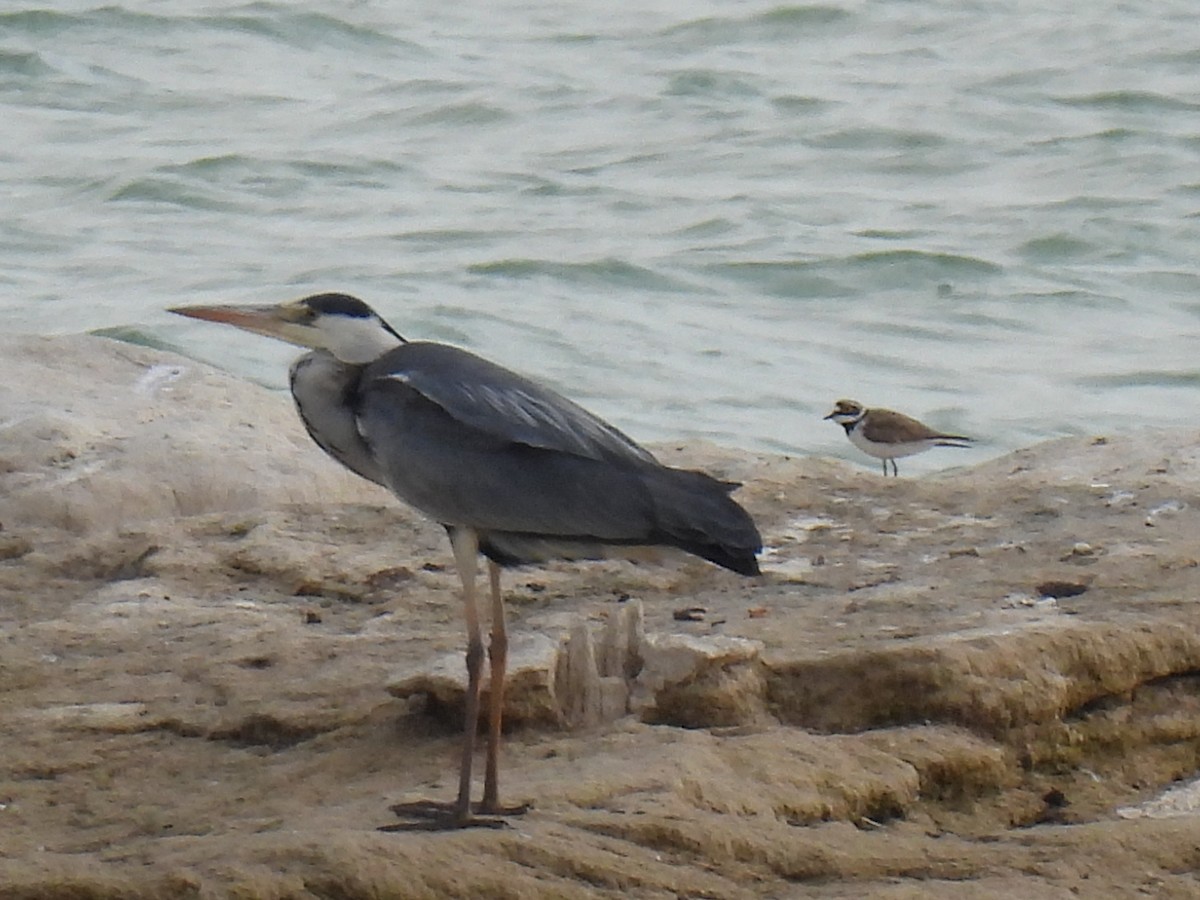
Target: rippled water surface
700,219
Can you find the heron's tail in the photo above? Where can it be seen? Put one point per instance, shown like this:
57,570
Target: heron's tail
694,512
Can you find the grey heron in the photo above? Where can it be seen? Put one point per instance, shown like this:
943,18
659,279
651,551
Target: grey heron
509,467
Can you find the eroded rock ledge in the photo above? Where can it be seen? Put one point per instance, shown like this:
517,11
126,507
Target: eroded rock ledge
985,677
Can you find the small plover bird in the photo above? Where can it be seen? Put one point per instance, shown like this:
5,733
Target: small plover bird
887,435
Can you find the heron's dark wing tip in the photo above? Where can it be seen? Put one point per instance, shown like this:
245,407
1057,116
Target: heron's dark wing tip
749,567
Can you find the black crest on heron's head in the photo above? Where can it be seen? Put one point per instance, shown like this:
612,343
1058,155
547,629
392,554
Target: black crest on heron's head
339,305
346,307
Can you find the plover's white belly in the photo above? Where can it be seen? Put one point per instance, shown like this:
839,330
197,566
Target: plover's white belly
887,451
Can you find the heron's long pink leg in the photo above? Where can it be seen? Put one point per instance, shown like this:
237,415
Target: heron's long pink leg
433,815
466,554
498,657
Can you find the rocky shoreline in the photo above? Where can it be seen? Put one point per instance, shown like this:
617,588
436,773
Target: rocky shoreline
976,684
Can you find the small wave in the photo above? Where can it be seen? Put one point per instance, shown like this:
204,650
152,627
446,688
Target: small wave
304,30
979,322
938,332
1186,59
1186,284
1059,247
876,139
607,271
881,361
779,24
278,22
132,334
540,186
848,276
208,166
709,83
708,228
1143,378
802,16
441,237
265,175
369,172
38,22
27,65
170,191
1106,137
797,280
918,264
1095,203
1068,298
884,234
796,104
462,114
240,175
224,182
44,22
1131,101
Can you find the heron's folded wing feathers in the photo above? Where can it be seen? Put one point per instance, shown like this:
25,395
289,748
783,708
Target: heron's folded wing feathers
460,475
474,445
493,400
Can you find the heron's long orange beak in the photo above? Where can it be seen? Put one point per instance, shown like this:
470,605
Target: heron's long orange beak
284,322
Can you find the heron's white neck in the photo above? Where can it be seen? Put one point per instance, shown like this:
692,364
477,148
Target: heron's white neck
356,340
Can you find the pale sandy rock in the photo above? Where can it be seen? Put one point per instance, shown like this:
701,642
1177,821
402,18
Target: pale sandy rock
991,679
580,678
675,658
679,679
95,433
1121,463
697,681
553,675
111,717
531,693
1182,800
196,705
619,654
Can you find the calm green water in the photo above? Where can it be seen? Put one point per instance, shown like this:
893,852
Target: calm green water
701,219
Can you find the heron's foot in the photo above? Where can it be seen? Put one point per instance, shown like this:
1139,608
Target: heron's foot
434,815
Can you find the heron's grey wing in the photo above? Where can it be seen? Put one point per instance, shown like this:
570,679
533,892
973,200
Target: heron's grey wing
493,400
487,478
